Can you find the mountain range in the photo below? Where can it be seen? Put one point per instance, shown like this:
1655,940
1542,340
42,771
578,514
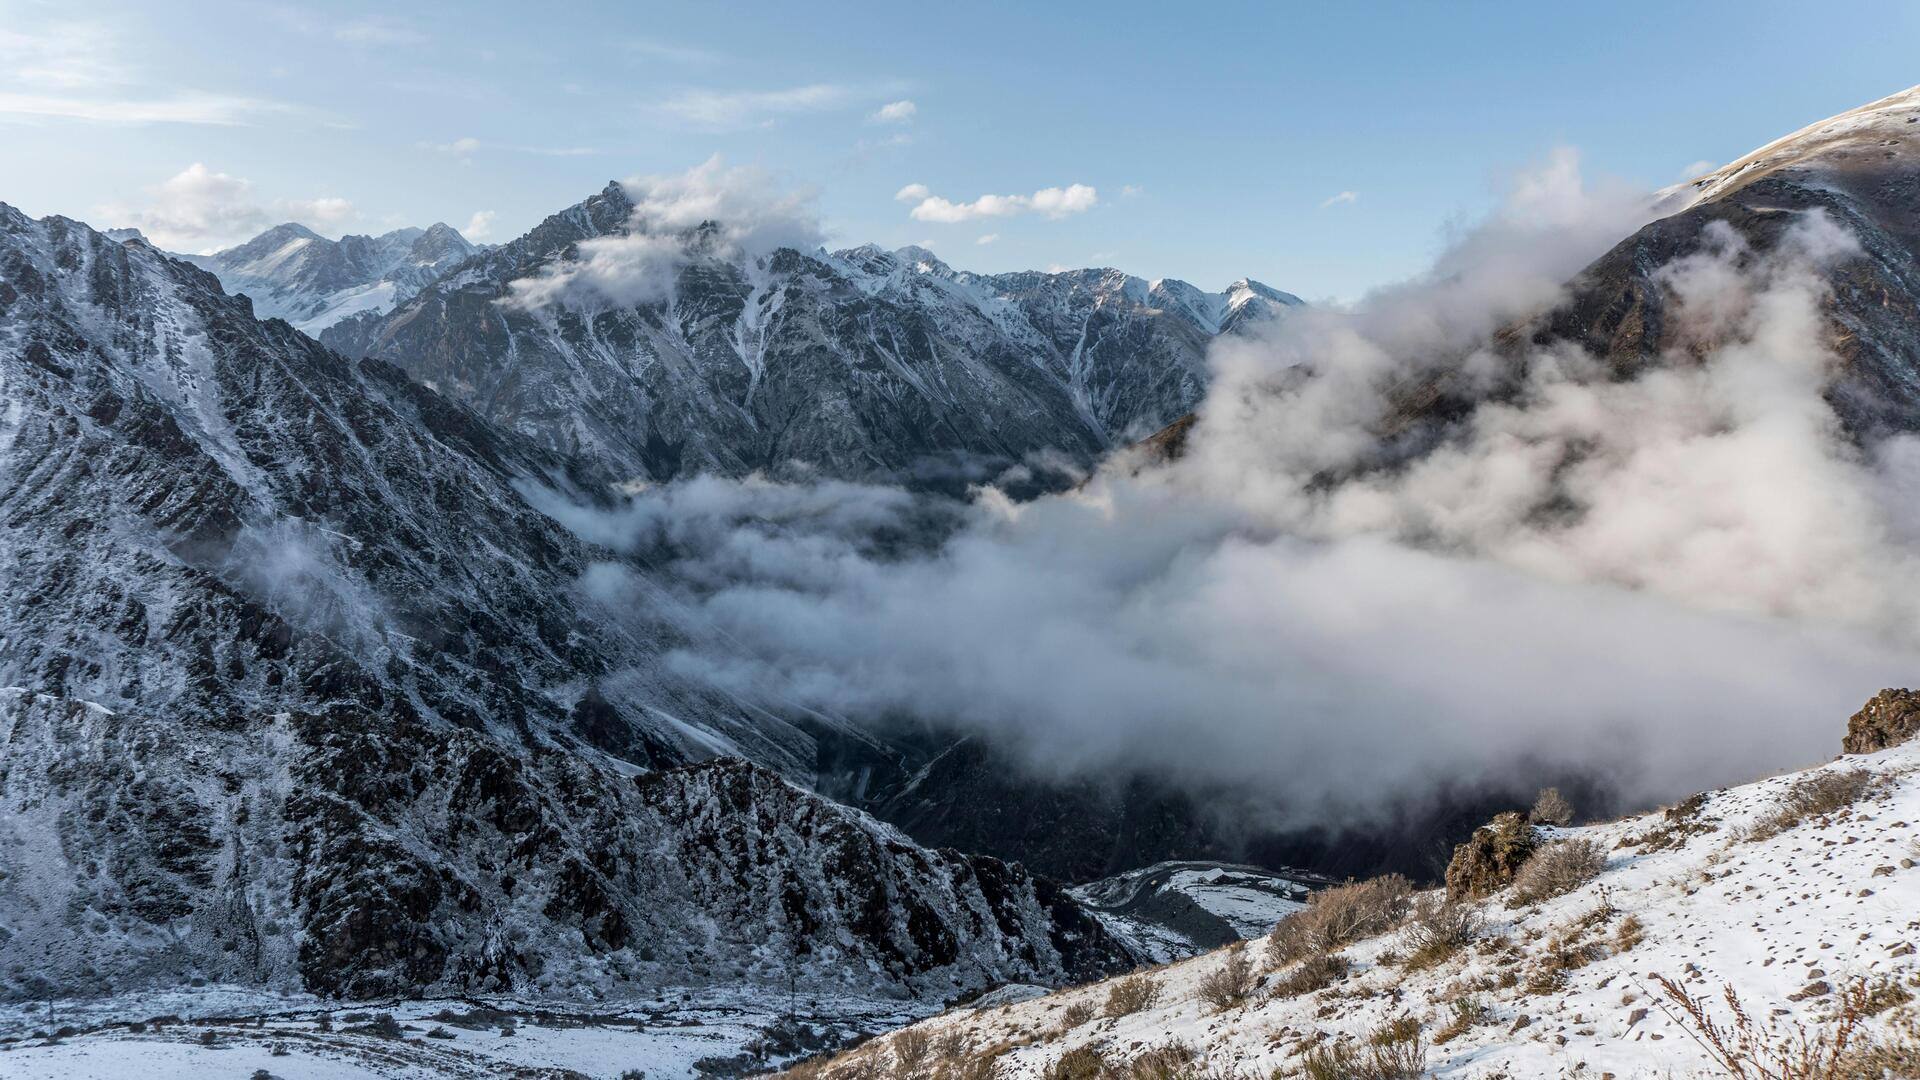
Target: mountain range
304,692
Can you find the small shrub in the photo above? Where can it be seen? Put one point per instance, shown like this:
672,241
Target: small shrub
278,1049
1742,1046
1076,1014
1132,994
1340,916
438,1032
912,1049
1468,1012
209,1037
1814,796
262,1074
1551,808
1230,984
1083,1063
1316,972
1559,867
1441,928
385,1026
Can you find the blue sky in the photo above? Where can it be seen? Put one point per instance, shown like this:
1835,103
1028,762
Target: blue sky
1218,140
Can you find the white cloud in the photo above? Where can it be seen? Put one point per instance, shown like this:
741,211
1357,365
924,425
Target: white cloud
988,238
1128,191
325,214
1344,198
479,226
199,210
1674,580
750,212
1053,202
60,56
894,112
726,110
186,109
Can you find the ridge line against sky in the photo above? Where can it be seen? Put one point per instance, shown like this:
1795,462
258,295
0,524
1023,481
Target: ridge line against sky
1324,152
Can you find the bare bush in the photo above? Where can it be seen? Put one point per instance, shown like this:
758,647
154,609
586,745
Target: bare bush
1814,795
1076,1014
1340,916
1551,808
1441,928
1231,983
1132,994
1559,867
1173,1061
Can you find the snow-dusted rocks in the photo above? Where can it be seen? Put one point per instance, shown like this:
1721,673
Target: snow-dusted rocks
293,273
860,362
307,698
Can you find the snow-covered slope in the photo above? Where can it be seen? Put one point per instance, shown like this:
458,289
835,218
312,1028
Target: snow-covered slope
860,362
293,273
1705,894
1174,909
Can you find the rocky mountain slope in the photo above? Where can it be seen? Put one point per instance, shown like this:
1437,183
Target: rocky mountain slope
305,696
1796,894
860,363
293,273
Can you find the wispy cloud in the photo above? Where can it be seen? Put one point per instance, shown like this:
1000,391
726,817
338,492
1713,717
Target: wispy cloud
671,51
895,112
79,71
1342,199
988,239
1052,202
479,226
465,147
724,110
188,109
377,30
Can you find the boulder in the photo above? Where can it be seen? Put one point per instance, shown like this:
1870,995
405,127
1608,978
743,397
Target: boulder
1889,719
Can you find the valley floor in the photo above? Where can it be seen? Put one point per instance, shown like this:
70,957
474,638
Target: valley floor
689,1034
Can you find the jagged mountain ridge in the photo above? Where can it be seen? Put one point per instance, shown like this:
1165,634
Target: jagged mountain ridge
294,273
307,695
857,363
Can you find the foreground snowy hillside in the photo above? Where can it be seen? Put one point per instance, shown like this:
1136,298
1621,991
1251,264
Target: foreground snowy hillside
1806,917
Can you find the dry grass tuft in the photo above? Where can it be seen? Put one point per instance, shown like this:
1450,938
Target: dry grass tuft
1557,868
1441,928
1396,1050
1340,916
1316,972
1816,795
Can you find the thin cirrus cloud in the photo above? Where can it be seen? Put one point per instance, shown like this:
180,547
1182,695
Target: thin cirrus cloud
895,112
78,71
465,147
727,110
1345,198
988,239
1050,202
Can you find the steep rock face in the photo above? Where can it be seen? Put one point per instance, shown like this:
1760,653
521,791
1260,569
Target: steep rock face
356,855
358,730
293,273
216,517
857,363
